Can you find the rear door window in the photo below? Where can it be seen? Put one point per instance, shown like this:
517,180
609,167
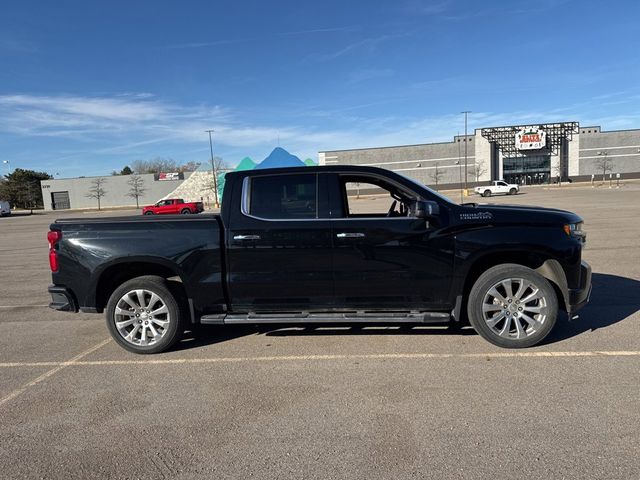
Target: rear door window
284,196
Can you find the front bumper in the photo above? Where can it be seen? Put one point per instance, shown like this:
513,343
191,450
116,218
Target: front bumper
579,297
62,299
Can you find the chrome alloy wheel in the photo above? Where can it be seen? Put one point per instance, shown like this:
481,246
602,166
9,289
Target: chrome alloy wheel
514,308
141,317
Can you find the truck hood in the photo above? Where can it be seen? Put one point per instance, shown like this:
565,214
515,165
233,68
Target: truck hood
516,214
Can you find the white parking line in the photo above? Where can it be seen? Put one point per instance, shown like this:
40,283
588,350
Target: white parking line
23,306
60,366
294,358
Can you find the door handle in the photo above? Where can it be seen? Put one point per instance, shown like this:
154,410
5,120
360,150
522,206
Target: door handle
350,235
246,237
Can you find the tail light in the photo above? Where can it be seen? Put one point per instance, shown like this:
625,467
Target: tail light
54,236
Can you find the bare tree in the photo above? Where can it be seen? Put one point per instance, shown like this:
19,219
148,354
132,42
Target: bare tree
155,165
96,190
479,170
219,166
604,164
160,164
557,172
137,190
436,175
189,166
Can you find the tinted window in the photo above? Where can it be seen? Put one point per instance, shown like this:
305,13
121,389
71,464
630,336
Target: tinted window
284,196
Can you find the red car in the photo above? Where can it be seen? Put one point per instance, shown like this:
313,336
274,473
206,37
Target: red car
172,206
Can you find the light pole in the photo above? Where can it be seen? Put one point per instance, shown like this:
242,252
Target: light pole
466,113
8,164
459,163
213,171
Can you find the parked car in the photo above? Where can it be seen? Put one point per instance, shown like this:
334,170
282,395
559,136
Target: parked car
288,247
173,206
5,208
497,187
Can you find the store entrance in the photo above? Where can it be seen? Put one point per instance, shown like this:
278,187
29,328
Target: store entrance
529,170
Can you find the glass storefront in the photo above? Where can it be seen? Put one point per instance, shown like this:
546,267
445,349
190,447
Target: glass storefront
529,170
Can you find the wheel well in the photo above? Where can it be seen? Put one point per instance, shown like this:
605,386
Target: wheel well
116,275
527,259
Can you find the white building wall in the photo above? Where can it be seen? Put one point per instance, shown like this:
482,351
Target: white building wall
483,156
574,156
116,190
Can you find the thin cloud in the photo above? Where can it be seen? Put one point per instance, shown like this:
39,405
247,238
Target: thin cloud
213,43
66,115
369,44
350,28
14,45
233,41
431,8
366,74
118,128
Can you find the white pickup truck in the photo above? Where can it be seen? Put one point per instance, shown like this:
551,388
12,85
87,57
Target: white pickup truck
496,187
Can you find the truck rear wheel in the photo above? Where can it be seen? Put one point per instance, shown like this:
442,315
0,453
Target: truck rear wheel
512,306
486,193
185,211
143,316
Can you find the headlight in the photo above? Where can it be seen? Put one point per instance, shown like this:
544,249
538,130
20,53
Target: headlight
575,230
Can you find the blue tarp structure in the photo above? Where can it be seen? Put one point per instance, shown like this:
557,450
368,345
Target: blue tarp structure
245,164
280,158
277,159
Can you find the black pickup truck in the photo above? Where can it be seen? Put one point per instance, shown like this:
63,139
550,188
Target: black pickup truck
296,246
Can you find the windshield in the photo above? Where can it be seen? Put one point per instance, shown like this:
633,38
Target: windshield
421,186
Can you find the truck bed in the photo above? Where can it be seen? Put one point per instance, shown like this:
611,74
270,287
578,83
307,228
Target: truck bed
93,251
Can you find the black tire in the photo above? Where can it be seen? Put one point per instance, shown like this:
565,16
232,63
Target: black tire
160,287
186,211
513,191
148,213
486,193
534,331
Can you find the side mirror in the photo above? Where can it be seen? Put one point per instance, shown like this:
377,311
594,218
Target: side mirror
426,209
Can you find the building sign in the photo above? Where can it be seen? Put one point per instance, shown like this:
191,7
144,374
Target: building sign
166,176
531,138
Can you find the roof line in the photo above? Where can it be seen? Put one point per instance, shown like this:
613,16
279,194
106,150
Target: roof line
394,146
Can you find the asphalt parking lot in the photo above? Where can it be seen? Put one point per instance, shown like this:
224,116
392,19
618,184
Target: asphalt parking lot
373,402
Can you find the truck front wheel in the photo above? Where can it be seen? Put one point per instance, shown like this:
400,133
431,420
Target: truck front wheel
143,316
512,306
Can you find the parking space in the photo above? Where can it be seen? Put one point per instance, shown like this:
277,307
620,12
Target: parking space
330,402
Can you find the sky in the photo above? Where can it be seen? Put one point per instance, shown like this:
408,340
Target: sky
87,87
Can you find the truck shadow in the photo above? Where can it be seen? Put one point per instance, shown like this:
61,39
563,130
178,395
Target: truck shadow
210,334
613,299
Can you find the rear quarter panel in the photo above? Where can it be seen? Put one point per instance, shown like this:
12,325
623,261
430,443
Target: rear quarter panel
190,247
